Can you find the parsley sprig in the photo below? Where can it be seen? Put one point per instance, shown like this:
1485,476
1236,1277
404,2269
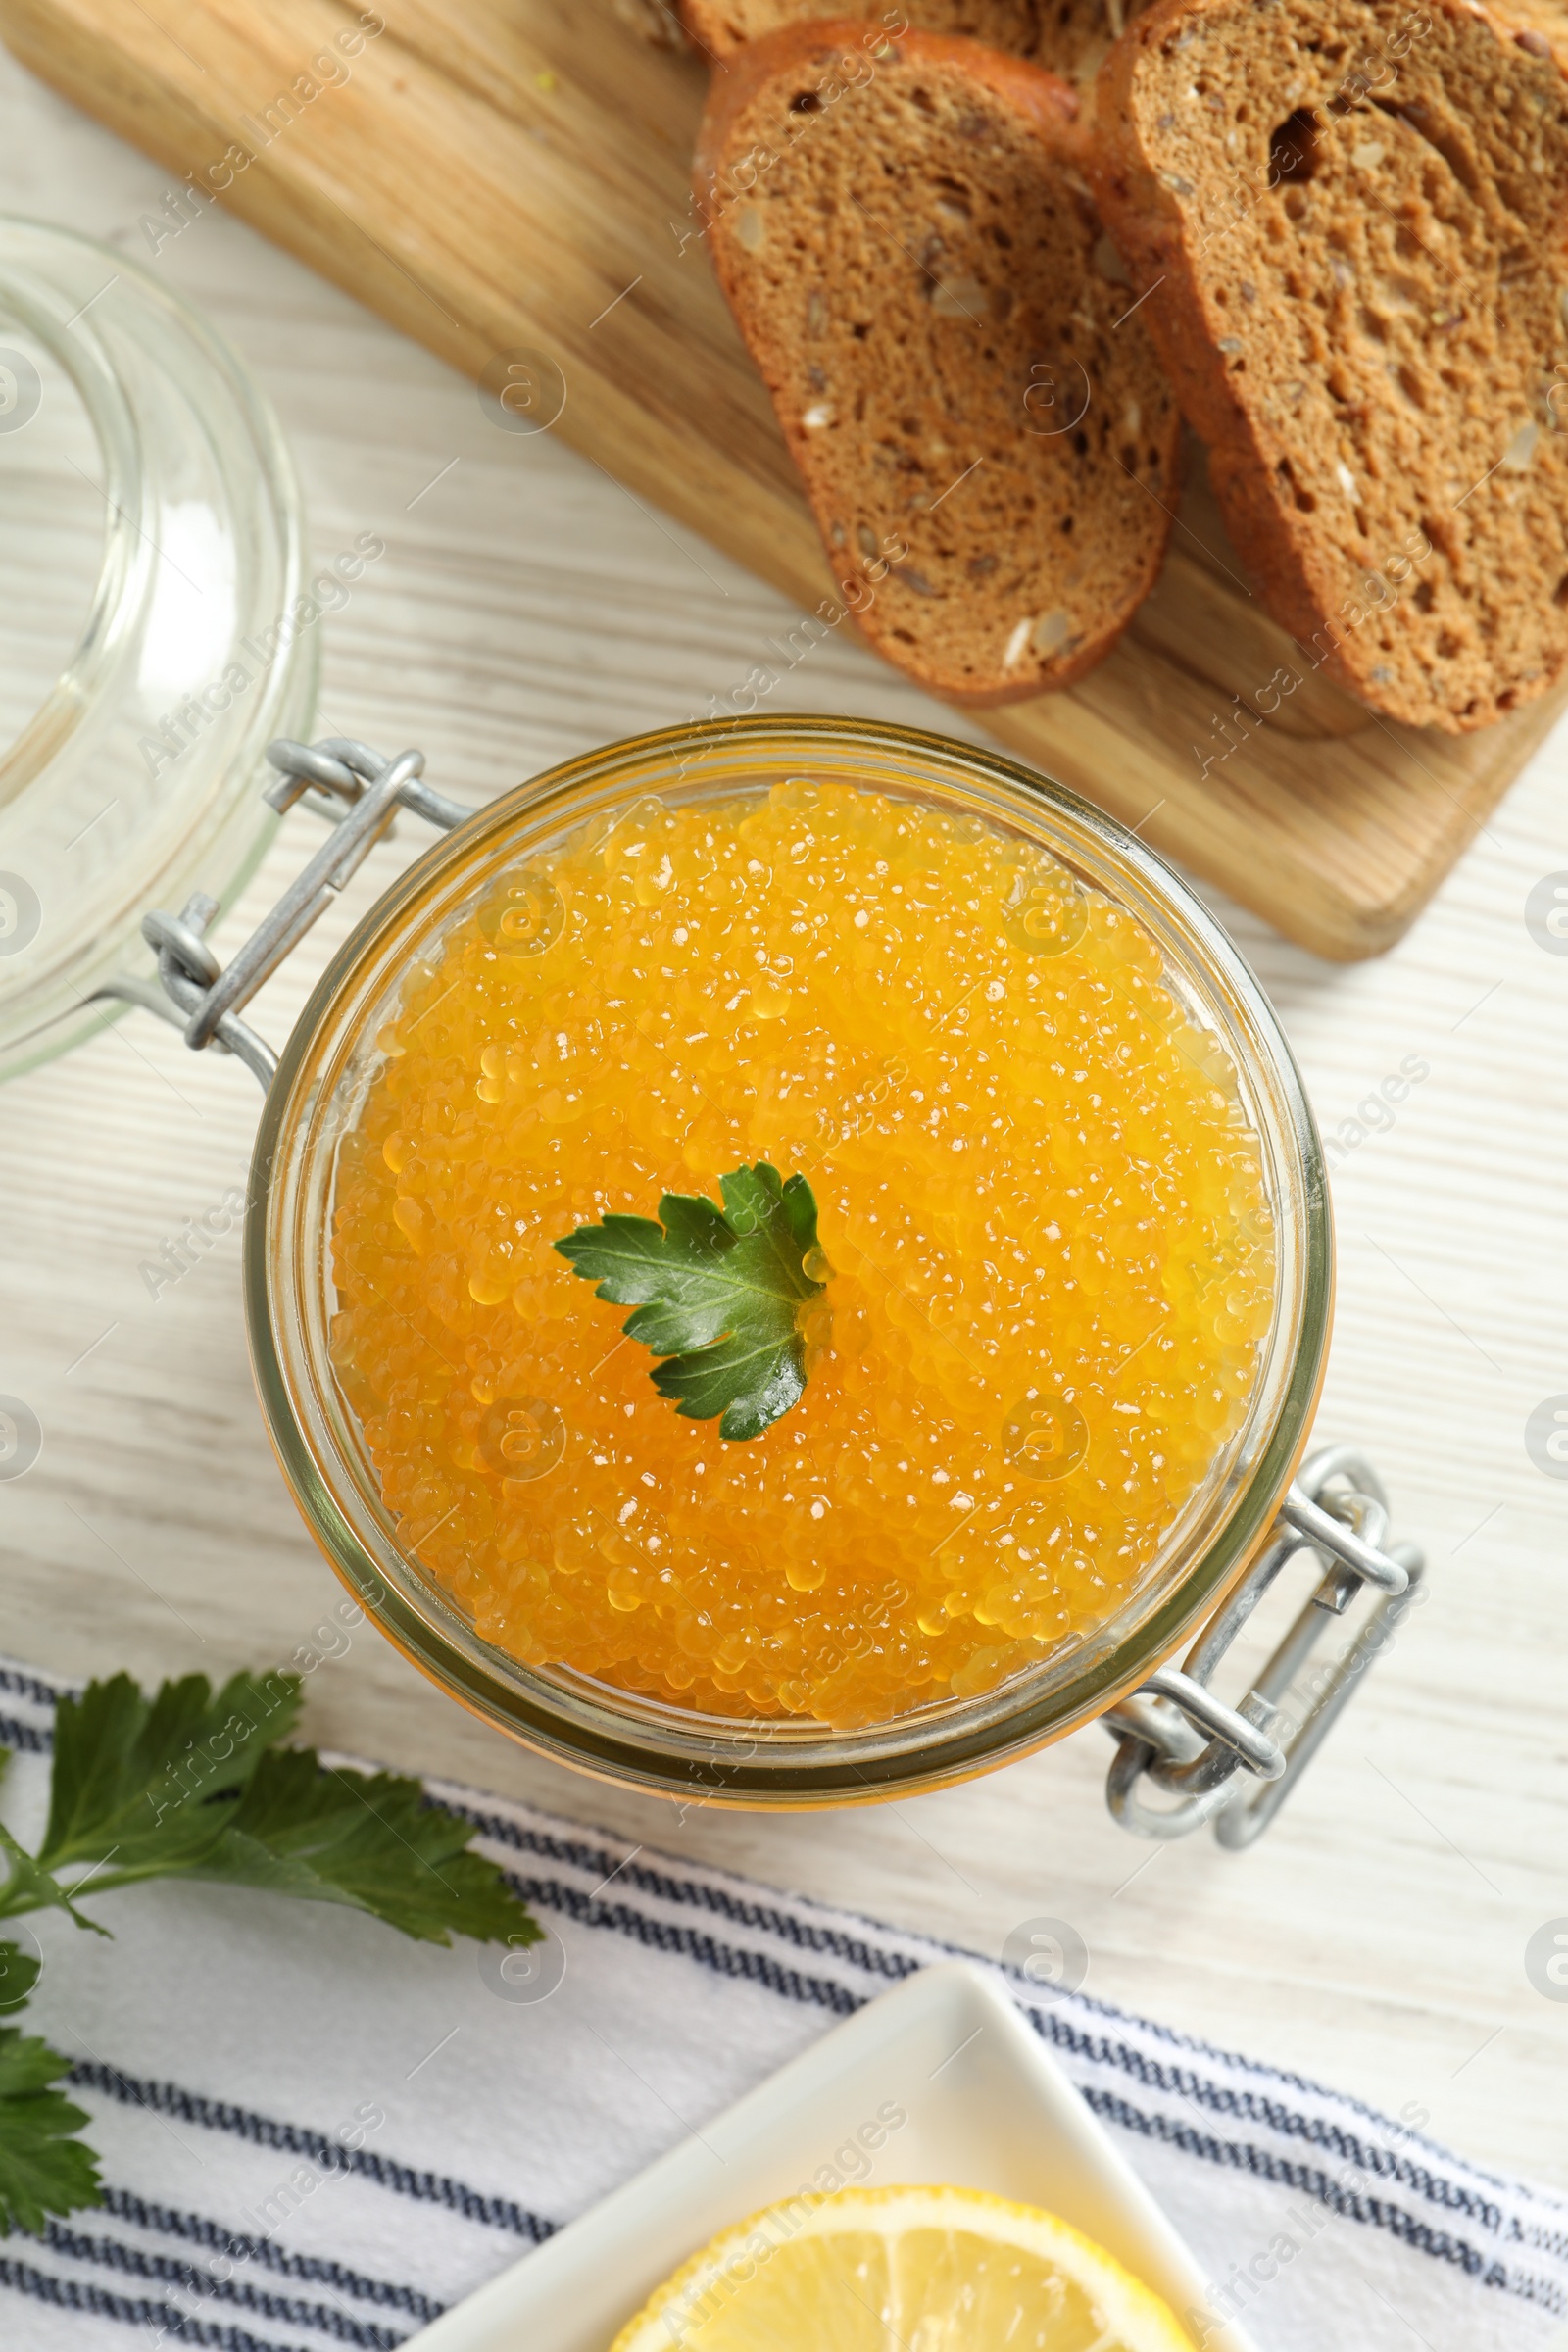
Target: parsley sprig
719,1292
194,1786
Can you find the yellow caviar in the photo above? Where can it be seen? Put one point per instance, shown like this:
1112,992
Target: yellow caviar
1047,1251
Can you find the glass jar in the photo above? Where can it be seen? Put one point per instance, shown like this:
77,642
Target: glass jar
315,1102
136,777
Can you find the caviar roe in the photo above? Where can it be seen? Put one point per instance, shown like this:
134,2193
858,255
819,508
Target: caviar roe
1048,1254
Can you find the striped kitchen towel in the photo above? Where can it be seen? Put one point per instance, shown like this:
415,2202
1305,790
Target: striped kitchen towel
315,2133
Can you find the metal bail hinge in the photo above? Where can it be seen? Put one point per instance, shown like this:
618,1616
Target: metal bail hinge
1235,1766
361,793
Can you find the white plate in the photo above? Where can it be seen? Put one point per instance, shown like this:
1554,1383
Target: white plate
983,2104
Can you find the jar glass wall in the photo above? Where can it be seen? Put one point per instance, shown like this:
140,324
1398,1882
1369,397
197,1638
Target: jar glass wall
314,1109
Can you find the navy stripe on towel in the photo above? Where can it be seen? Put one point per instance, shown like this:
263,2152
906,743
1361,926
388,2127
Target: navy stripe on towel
25,1738
1351,2204
27,1686
328,2155
806,1935
163,2270
197,2230
78,2294
692,1943
1255,2107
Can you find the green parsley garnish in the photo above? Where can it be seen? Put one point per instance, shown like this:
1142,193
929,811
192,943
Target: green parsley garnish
44,2168
717,1292
191,1784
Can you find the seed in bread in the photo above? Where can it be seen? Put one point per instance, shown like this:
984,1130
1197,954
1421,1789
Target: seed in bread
1068,37
904,238
1354,214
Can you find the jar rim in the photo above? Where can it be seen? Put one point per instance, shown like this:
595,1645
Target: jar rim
616,1734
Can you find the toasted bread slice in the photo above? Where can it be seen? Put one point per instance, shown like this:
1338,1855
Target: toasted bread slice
1354,217
1069,37
903,234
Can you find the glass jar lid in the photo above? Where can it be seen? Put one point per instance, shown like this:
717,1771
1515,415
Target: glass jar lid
134,781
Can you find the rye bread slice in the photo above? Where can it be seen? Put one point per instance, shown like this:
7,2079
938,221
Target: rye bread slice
1354,217
904,238
1069,37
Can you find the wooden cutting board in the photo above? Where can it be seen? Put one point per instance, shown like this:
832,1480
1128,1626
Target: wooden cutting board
496,176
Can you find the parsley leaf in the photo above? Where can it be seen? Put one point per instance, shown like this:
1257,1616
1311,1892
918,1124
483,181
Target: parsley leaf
19,1974
28,1887
189,1785
43,2170
132,1776
369,1839
715,1292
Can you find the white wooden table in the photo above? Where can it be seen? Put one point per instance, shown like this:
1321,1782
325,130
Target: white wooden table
527,608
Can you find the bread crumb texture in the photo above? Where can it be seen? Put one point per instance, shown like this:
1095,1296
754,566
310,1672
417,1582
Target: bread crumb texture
1356,218
1069,37
911,250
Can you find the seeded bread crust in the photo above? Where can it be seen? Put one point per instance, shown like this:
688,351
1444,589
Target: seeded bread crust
902,233
1069,37
1353,220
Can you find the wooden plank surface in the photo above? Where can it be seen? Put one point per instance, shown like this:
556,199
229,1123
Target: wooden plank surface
524,610
512,176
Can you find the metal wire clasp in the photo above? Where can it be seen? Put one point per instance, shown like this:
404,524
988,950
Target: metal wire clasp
360,793
1235,1766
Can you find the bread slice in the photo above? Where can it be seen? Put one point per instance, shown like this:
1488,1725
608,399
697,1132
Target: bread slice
903,234
1352,216
1069,37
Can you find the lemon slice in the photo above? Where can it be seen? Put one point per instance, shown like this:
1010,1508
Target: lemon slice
902,2270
